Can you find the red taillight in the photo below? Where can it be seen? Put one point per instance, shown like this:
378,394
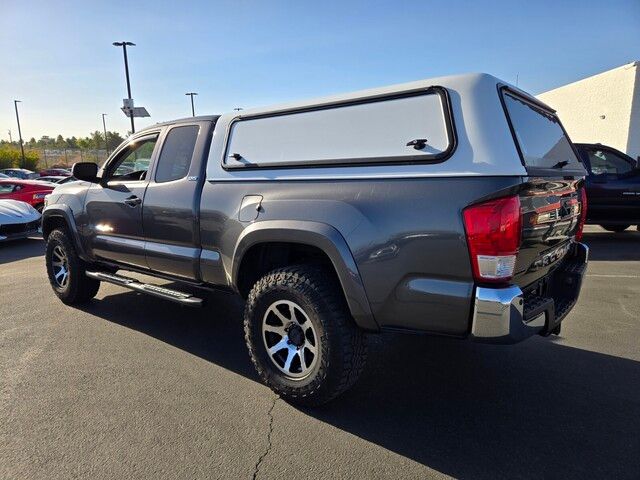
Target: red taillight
494,231
583,214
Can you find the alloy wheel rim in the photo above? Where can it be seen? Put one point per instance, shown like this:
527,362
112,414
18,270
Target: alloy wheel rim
60,265
290,339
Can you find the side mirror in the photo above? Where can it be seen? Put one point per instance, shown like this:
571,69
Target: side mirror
87,171
638,162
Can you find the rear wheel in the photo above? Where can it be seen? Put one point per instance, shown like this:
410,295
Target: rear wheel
301,337
66,270
615,228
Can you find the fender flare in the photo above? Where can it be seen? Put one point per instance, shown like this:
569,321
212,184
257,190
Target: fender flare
64,212
319,235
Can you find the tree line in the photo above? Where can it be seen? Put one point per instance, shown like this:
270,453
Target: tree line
93,141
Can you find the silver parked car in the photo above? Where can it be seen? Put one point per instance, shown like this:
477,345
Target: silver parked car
17,220
21,173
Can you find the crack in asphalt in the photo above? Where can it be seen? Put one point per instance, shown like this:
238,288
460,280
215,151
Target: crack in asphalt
268,449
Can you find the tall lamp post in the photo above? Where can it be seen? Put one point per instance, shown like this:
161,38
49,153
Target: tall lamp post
106,141
124,46
193,110
15,104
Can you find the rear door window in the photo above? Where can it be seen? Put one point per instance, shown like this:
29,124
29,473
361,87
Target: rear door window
541,139
177,151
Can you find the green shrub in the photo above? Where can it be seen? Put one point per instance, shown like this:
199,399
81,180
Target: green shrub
11,157
31,160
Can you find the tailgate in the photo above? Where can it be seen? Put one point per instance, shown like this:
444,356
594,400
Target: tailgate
551,209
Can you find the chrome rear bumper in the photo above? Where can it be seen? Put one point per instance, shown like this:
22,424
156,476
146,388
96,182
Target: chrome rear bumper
500,315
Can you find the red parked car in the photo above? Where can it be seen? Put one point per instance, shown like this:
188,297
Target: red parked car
56,172
29,191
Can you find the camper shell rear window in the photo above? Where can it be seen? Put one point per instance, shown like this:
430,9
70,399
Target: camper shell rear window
377,130
541,140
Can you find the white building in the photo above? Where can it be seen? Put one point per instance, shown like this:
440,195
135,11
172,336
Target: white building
604,108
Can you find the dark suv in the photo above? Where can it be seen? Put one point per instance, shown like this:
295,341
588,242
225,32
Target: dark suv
452,206
613,187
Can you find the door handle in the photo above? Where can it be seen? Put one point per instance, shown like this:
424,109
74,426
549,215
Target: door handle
133,201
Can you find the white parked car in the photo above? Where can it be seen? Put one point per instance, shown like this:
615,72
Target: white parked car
17,220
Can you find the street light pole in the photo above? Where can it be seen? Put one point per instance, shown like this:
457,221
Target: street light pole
15,104
106,141
193,110
10,139
124,46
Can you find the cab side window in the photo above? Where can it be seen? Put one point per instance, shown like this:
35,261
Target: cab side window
177,150
133,162
6,188
607,163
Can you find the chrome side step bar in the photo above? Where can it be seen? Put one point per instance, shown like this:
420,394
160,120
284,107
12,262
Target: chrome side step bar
155,290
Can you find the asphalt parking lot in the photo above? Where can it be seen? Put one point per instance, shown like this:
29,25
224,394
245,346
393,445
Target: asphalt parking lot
134,387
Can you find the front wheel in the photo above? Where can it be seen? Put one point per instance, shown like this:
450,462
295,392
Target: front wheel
301,337
614,228
66,270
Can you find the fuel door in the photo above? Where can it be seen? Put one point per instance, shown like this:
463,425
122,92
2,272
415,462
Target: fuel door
250,208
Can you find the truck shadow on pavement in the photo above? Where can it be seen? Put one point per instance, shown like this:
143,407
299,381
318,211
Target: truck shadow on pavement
538,409
21,249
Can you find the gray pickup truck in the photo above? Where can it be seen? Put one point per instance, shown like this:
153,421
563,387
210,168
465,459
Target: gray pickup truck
452,206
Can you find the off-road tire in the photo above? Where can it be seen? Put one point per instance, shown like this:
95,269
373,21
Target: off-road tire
79,288
342,345
615,228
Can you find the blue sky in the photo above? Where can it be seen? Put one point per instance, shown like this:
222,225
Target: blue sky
58,59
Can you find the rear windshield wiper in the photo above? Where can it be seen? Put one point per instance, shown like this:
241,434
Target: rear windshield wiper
561,164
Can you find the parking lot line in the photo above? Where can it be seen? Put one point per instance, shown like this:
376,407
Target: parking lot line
611,276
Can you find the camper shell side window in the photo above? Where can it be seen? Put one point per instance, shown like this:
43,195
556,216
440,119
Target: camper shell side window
410,127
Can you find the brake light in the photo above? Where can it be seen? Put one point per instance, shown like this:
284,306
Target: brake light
583,214
494,230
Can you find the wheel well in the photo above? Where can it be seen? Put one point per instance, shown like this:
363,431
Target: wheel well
51,223
264,257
